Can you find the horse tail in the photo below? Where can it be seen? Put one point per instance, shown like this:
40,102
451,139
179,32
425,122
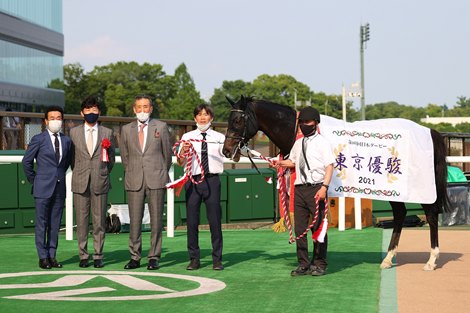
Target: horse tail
440,171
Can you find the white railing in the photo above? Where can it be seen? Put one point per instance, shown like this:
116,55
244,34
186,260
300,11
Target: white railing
69,195
171,195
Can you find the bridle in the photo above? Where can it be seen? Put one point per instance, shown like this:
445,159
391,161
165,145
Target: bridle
249,118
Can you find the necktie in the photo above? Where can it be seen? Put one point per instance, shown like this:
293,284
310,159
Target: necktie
204,156
89,141
302,163
57,148
141,136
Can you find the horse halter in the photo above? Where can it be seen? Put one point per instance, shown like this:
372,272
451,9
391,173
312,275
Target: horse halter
243,139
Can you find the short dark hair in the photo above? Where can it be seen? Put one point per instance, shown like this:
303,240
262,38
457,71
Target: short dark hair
203,106
90,102
144,96
53,108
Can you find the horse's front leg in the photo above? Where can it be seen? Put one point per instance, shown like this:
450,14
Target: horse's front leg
399,214
432,219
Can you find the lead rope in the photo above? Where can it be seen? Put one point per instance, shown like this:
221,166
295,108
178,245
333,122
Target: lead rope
282,184
179,183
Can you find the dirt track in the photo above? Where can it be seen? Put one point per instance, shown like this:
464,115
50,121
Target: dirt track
447,289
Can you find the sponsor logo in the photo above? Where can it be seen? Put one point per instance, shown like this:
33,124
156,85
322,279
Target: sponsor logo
68,281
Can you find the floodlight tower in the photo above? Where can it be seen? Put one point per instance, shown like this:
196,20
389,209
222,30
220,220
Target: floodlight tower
364,37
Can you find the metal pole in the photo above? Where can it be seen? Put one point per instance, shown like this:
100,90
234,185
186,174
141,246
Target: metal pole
363,99
295,99
364,37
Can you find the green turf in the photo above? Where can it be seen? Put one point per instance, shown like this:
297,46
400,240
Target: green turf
257,275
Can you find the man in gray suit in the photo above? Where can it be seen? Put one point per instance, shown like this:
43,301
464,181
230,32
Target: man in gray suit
146,156
92,162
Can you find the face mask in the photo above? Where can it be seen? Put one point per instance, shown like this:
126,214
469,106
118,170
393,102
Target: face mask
204,127
91,118
142,116
54,126
308,130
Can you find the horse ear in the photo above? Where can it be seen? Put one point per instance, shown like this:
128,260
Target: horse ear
243,102
232,103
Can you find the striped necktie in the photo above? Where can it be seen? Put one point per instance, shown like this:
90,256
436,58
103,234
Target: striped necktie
204,156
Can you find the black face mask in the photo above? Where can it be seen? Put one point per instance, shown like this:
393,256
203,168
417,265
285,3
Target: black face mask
308,130
91,118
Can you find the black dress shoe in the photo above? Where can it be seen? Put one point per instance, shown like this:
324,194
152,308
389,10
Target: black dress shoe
218,266
98,263
318,271
153,265
300,271
193,265
133,264
84,263
53,262
44,264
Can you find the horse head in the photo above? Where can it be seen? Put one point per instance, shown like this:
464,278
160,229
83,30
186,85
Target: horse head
242,126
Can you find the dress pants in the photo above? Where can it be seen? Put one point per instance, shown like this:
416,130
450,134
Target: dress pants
304,206
209,192
85,203
136,201
48,218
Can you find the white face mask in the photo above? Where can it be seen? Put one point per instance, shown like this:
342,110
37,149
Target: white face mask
203,127
142,116
54,126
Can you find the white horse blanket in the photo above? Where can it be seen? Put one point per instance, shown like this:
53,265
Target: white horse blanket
386,159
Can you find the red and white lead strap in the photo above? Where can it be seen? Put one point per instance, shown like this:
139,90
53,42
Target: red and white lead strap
179,183
320,233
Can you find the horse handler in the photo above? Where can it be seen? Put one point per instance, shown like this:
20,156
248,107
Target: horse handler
313,160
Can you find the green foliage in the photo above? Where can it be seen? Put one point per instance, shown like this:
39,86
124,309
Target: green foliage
175,96
231,89
185,98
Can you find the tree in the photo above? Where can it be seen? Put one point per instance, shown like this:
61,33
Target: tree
231,89
75,87
117,84
185,96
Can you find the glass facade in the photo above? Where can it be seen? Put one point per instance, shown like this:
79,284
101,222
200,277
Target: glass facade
46,13
31,54
27,66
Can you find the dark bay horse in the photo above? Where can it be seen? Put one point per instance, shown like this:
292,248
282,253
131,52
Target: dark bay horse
278,122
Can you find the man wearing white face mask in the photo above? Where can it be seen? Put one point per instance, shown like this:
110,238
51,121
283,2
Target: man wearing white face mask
211,164
52,152
146,156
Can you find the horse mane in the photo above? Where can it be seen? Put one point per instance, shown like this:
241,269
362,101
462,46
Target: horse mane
283,117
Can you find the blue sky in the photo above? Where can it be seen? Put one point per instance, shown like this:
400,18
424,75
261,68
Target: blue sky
418,51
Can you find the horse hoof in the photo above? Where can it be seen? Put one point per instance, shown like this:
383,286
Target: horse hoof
385,264
429,267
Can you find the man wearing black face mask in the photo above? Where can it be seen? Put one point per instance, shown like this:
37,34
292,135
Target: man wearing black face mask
92,162
313,160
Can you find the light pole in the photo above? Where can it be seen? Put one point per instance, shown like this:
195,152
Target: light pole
295,99
364,37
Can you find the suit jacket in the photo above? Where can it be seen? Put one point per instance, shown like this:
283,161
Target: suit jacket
154,162
88,168
48,173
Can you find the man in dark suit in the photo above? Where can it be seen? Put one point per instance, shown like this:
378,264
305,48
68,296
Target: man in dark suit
146,156
52,152
92,162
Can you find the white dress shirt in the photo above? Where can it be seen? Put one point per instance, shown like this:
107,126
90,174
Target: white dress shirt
94,133
319,155
215,143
